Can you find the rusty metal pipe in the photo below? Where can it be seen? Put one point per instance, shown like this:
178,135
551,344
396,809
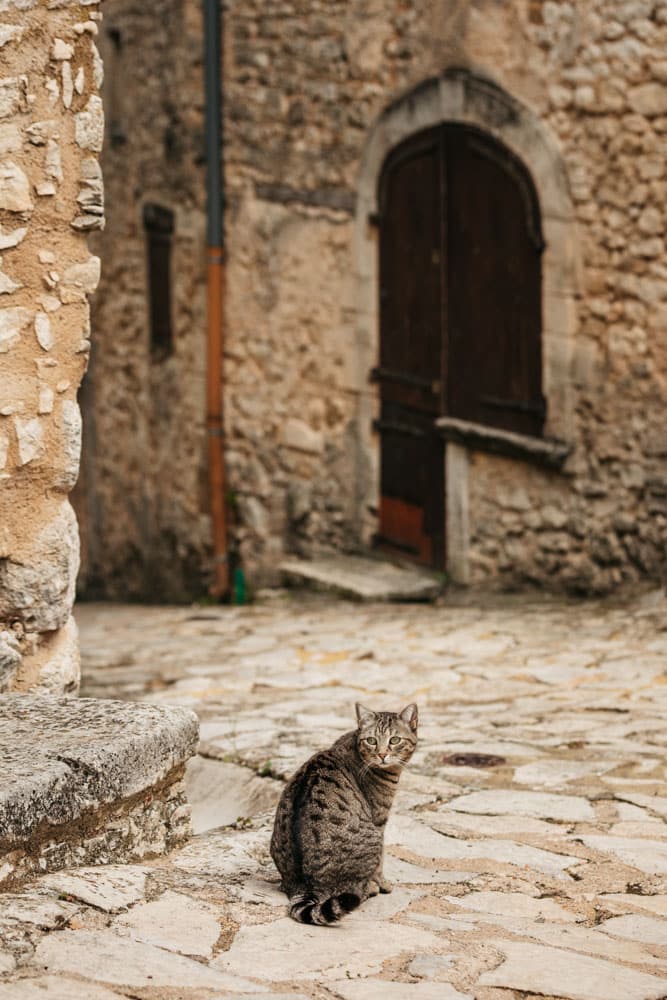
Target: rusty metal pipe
215,420
215,207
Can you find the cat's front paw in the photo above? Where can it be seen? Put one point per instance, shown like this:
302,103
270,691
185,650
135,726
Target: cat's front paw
373,888
385,886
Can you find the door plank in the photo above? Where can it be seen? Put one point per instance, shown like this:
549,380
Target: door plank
409,373
494,285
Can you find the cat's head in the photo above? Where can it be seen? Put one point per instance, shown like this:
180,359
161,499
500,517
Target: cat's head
386,739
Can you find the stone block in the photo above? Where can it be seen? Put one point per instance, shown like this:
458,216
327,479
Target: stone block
11,238
91,193
80,280
637,927
113,888
37,588
54,988
175,922
14,188
649,99
10,138
301,437
13,322
545,805
30,439
537,969
10,91
649,856
334,956
89,125
84,781
70,427
39,132
10,659
61,50
7,284
426,843
55,665
9,33
123,962
363,579
46,397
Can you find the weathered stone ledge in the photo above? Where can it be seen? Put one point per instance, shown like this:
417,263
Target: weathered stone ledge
338,199
86,780
549,452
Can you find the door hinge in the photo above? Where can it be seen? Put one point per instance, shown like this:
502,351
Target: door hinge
397,427
434,386
536,406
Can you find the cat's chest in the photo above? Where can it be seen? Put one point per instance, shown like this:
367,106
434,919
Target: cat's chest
379,802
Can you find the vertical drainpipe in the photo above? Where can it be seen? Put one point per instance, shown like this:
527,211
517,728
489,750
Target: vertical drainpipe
215,206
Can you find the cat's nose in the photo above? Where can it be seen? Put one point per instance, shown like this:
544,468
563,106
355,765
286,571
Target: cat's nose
382,756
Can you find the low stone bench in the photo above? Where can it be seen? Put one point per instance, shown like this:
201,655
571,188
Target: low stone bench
88,781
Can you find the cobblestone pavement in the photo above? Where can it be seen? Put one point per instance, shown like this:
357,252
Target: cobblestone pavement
528,843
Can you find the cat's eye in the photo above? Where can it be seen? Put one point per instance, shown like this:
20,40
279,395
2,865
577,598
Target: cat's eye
394,740
372,742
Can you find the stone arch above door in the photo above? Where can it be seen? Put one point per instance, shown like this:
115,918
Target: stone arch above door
463,96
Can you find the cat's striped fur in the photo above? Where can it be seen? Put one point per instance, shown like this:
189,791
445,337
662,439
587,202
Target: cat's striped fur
328,833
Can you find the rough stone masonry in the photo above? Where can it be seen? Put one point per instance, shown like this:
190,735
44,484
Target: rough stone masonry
51,196
310,87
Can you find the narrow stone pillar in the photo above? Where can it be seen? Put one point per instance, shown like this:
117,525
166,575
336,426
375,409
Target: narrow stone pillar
51,131
457,506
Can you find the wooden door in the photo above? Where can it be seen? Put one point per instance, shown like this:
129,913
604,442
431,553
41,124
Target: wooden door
411,344
460,316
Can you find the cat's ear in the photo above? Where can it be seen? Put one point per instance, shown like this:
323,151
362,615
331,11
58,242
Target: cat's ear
364,715
410,715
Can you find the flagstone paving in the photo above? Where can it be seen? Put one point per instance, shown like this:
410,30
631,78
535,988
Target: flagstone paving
528,843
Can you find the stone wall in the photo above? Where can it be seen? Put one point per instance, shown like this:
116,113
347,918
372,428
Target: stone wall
51,126
142,496
604,522
307,84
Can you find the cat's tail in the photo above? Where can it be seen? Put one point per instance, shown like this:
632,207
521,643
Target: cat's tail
307,910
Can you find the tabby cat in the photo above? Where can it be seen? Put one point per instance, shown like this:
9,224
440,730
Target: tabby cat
328,833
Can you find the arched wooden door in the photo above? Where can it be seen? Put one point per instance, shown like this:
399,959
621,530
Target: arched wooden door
460,316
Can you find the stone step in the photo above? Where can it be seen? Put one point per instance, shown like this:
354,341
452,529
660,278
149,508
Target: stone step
90,781
363,579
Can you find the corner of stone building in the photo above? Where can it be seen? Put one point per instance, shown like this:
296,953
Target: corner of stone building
51,196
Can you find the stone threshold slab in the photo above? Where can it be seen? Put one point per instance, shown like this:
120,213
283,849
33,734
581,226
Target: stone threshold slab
363,579
86,781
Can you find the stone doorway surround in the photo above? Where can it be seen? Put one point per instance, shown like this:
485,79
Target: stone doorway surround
468,97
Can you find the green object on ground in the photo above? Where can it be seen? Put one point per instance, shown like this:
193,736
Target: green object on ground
239,587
